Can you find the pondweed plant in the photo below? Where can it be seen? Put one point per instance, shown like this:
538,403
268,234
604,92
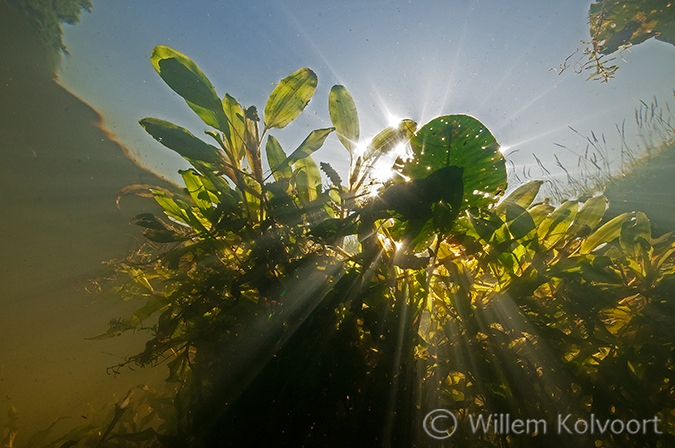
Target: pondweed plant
291,310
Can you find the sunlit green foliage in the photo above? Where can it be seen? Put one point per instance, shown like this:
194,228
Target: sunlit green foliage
295,310
553,315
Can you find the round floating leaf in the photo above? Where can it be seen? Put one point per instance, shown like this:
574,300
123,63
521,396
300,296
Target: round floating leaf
463,141
344,116
289,98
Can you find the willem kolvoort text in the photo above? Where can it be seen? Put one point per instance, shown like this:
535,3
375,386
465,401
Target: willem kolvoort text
565,424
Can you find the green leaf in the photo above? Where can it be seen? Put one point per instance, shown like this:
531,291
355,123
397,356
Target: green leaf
275,158
388,140
462,141
150,221
171,208
312,143
539,212
214,118
589,216
521,196
307,179
237,126
181,141
486,224
289,98
555,226
195,187
186,79
664,252
344,116
635,232
606,233
522,225
252,142
178,210
153,305
157,230
164,236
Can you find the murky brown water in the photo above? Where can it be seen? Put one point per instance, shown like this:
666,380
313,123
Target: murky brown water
59,176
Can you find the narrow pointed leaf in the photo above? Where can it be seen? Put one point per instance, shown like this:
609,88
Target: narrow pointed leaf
308,179
212,117
606,233
555,226
140,190
522,196
539,212
180,140
312,143
289,98
344,116
237,126
589,216
275,158
637,232
195,187
252,143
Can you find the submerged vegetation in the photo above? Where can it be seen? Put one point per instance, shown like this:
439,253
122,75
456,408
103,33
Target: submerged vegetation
634,177
615,26
292,308
46,17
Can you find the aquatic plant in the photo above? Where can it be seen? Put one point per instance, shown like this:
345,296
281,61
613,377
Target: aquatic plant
628,175
292,309
615,26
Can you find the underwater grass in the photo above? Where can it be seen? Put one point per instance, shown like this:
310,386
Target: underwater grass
603,169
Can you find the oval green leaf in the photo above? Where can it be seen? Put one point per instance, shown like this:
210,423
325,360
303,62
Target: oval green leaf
289,98
344,116
465,142
184,77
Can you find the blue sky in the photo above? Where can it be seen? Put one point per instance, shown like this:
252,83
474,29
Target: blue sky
399,58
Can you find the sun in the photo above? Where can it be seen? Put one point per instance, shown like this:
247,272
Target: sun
383,170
